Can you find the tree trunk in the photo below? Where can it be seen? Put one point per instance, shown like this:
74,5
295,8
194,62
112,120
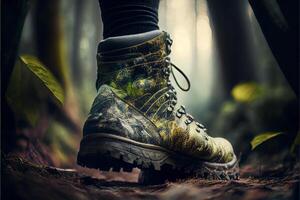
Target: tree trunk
279,21
13,14
230,25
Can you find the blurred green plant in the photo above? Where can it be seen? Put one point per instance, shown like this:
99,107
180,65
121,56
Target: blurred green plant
261,138
62,144
34,93
45,76
247,92
251,93
31,86
295,143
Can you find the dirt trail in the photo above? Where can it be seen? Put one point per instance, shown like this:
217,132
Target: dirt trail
24,180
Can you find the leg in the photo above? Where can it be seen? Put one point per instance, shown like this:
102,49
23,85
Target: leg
128,17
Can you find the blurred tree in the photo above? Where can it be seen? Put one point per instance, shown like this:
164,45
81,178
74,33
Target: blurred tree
279,21
22,137
76,70
51,50
51,43
50,39
13,14
84,36
231,27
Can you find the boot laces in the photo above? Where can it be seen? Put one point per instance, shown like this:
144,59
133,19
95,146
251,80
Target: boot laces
171,94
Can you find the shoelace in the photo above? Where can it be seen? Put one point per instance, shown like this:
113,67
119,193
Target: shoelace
172,94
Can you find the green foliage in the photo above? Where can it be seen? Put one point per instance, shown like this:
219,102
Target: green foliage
247,92
265,104
259,139
45,76
295,143
63,144
30,88
229,107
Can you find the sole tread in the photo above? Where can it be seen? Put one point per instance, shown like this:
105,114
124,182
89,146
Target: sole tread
108,153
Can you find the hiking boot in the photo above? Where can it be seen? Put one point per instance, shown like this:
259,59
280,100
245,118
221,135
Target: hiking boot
135,120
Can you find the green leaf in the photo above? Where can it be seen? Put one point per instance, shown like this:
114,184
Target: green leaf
45,76
30,87
259,139
296,142
247,92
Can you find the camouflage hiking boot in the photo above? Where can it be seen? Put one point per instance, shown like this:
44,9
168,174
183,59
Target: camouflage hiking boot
135,120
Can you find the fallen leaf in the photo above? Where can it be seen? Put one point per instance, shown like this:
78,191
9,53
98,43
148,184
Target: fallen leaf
259,139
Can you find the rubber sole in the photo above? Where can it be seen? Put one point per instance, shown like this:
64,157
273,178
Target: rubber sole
106,151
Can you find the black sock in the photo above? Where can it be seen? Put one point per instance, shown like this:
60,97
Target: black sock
125,17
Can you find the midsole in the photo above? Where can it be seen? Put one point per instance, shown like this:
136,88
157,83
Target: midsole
150,147
126,140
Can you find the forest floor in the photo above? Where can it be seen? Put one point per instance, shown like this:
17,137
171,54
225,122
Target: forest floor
25,180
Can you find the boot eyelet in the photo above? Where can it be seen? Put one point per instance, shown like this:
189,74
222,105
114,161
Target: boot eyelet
168,60
181,112
174,102
179,115
187,121
205,137
168,49
169,84
190,117
172,106
200,125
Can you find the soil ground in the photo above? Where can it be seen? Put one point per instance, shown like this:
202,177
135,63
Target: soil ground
24,180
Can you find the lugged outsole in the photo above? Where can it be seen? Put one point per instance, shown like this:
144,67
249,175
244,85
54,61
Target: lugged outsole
111,152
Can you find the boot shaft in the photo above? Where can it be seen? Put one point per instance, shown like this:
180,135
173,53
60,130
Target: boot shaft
136,72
